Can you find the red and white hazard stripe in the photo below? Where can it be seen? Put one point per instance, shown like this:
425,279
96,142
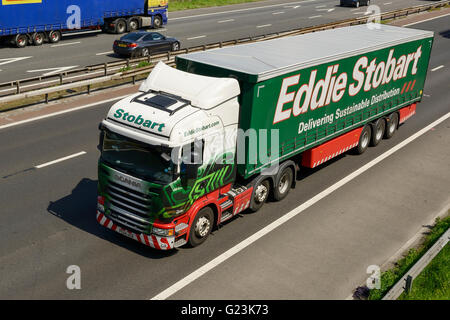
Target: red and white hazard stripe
157,242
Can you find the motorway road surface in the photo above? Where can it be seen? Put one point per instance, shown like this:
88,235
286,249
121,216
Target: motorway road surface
47,219
192,27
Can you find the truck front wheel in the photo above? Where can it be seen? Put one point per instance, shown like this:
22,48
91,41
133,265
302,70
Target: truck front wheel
260,194
201,227
157,22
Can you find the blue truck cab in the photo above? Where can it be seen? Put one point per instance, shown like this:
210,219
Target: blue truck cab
34,21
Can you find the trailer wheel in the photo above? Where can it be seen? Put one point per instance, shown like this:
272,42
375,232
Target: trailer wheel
38,38
364,140
120,26
392,125
54,36
201,227
283,184
260,194
378,128
157,22
21,40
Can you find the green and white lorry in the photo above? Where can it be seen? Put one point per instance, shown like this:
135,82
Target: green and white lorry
231,127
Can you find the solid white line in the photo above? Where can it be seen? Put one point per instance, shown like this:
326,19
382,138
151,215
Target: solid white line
60,112
196,37
242,245
437,68
264,25
103,53
60,160
223,21
239,10
313,17
65,44
413,23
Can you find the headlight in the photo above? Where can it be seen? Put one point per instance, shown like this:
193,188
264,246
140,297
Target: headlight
163,232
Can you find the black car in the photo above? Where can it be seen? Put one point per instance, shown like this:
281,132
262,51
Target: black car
142,44
355,3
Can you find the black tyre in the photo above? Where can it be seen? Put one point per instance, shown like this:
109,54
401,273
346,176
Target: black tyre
133,25
201,227
391,125
175,46
283,184
364,140
260,194
121,26
378,128
144,52
21,40
157,22
54,36
38,38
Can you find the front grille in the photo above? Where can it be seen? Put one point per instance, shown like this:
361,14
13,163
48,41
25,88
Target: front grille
129,207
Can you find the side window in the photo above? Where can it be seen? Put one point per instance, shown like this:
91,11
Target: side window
157,36
148,37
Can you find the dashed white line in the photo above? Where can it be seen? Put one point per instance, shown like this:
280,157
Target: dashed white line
321,6
279,12
198,37
103,53
60,160
313,17
223,21
437,68
291,214
387,3
264,25
65,44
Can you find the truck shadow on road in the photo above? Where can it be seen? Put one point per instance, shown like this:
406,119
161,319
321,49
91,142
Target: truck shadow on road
79,210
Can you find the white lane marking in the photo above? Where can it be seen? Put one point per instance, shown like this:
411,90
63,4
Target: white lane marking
61,112
65,44
291,214
321,6
327,10
354,9
313,17
60,160
437,68
413,23
240,10
53,70
264,25
103,53
223,21
198,37
387,3
279,12
11,60
293,7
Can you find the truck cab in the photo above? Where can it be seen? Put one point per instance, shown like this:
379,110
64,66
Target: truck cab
163,149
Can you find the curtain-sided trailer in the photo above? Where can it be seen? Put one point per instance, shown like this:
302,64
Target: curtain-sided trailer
321,94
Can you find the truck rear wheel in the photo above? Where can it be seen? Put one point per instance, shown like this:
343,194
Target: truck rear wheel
283,184
364,140
201,227
378,128
392,125
260,194
120,26
21,40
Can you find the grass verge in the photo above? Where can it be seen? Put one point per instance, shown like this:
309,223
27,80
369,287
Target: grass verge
390,277
176,5
433,283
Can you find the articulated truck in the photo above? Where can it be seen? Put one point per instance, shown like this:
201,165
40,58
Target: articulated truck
231,127
24,22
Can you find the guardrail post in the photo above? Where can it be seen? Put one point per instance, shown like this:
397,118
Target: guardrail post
105,66
134,80
89,89
168,55
17,87
408,283
60,78
46,98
